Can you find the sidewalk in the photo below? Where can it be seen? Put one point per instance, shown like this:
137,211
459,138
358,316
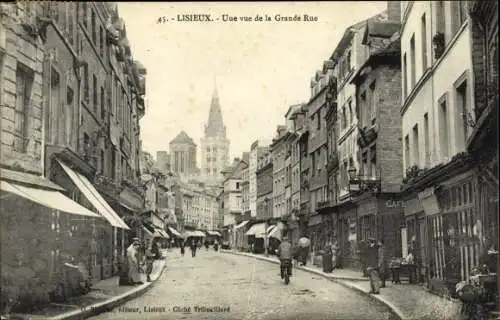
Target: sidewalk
407,301
104,296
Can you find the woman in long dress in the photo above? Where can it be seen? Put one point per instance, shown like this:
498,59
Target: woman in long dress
133,262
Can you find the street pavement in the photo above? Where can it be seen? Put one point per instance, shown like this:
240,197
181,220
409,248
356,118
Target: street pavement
237,287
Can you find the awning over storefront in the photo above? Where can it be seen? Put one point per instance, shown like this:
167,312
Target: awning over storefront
195,233
175,232
146,230
241,225
258,230
276,232
47,198
92,195
214,233
159,233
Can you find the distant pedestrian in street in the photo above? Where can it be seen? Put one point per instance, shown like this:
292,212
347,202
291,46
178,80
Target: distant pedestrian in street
150,257
182,245
193,248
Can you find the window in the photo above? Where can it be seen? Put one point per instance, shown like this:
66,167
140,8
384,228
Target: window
462,110
426,140
373,161
443,128
344,119
94,31
364,112
348,62
86,82
441,18
373,103
85,12
94,91
412,62
101,41
423,32
24,81
313,160
351,113
69,113
459,14
113,164
407,152
415,146
364,163
103,107
101,167
71,21
318,120
405,77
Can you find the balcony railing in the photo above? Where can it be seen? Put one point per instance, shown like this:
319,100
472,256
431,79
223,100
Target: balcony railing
322,204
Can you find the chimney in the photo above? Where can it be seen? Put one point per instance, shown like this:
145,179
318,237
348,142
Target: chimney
394,11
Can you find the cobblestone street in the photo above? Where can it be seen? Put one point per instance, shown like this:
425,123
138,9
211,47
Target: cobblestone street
251,289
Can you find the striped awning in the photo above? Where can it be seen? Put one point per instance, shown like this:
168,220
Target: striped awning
175,232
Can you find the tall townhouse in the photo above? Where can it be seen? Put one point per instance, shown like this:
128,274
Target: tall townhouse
265,186
440,188
245,192
331,220
78,131
378,94
483,141
231,197
299,123
257,149
279,156
305,166
292,195
349,54
318,153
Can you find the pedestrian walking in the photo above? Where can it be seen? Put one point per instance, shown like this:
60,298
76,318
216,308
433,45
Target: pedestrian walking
182,245
150,257
193,248
133,256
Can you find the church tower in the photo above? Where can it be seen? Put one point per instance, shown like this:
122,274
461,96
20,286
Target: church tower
215,144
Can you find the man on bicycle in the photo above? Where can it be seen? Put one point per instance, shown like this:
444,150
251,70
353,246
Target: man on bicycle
285,255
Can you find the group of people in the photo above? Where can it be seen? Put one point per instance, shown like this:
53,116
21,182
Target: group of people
195,245
140,259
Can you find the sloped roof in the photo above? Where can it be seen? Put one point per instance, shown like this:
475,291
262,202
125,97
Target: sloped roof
183,138
381,29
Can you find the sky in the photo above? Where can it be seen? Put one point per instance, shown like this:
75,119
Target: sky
260,68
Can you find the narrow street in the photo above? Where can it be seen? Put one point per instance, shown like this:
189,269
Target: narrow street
250,288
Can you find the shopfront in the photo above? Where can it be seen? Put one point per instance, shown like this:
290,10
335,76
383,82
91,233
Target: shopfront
348,235
41,230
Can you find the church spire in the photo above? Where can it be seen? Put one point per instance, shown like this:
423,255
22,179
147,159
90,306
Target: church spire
215,126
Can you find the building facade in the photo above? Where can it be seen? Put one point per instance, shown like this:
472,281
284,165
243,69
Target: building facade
61,121
214,145
279,153
377,184
183,156
245,191
440,185
265,183
317,149
257,149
